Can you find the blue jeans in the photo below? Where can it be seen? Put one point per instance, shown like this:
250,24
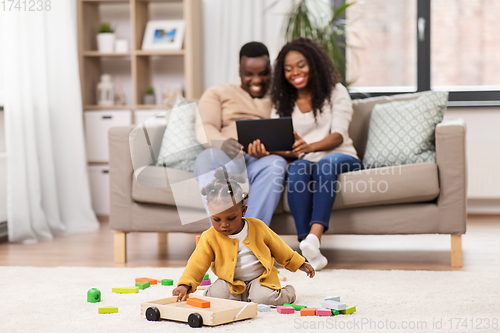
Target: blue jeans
312,188
266,176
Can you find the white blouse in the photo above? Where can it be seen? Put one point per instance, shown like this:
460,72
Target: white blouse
335,118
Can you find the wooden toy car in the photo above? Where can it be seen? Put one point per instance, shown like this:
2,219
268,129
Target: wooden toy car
221,311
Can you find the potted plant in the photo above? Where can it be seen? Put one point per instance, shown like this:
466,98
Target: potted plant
105,38
308,19
149,97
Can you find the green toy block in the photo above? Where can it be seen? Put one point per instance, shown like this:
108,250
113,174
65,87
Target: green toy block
295,306
335,312
206,277
143,285
167,282
108,309
125,290
349,310
93,295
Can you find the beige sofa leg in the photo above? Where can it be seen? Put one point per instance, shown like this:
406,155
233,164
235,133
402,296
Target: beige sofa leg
456,251
162,238
120,247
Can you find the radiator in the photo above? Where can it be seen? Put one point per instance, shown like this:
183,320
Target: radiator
483,161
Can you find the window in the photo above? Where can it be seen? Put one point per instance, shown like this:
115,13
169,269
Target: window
416,45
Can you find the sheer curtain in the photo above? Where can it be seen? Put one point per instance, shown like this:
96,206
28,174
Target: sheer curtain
47,189
228,24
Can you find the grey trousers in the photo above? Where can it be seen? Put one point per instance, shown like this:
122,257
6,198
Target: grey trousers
255,292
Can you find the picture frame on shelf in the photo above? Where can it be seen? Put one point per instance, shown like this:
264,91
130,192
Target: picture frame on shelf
163,35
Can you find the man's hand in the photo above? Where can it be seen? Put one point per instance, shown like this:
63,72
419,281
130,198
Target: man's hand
232,148
306,267
181,292
300,146
257,149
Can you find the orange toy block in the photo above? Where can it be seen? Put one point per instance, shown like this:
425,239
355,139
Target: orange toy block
198,239
198,302
307,312
153,281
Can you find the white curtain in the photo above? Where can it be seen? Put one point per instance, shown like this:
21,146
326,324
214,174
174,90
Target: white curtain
229,24
47,189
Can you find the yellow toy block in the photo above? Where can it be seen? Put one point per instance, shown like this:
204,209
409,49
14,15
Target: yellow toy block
108,309
126,290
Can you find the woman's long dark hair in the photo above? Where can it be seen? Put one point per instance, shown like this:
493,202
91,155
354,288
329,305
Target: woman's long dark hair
322,77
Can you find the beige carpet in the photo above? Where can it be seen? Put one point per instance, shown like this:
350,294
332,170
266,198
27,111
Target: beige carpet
54,300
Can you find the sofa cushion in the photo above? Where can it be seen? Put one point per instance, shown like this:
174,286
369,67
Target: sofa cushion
404,132
384,186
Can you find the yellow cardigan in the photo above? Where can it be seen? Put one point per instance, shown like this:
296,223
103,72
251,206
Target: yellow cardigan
222,252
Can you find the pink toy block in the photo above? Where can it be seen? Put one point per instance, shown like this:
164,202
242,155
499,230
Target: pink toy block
285,309
205,283
323,312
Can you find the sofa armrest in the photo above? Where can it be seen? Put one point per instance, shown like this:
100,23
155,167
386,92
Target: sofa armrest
452,167
120,177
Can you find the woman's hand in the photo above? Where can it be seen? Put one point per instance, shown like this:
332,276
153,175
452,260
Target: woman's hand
181,292
232,148
300,146
257,149
306,267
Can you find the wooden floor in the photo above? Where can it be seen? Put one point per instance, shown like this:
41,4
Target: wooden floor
481,250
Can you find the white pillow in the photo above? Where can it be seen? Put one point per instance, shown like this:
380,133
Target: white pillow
179,147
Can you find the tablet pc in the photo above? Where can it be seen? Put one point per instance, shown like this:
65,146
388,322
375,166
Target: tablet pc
276,133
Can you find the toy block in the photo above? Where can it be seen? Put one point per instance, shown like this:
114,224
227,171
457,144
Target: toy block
167,282
200,303
349,310
108,309
295,306
323,312
206,277
153,281
143,285
263,308
335,312
333,305
281,277
307,312
93,295
284,309
332,298
125,290
206,282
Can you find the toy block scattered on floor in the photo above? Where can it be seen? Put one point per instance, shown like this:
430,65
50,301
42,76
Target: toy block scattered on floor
206,277
143,285
200,303
332,298
307,312
152,281
93,295
263,308
349,310
167,282
125,290
198,239
285,309
108,309
296,306
281,277
323,312
205,283
333,305
335,312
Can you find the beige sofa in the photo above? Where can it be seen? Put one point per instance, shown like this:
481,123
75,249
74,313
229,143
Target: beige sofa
428,198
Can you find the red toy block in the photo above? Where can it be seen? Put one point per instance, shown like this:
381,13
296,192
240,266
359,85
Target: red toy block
153,281
307,312
198,302
285,309
197,239
324,312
